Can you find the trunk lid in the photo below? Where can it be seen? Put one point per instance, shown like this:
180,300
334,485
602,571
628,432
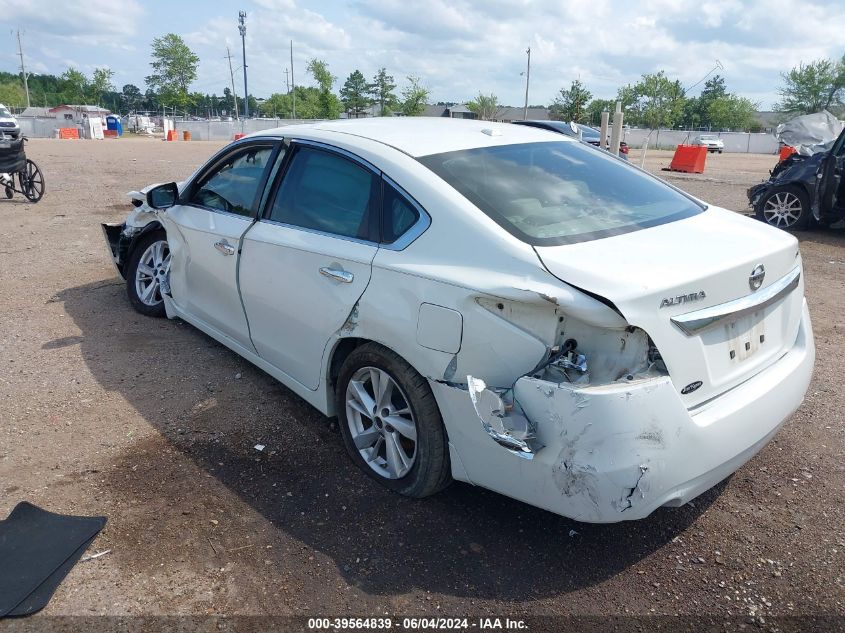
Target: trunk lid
658,273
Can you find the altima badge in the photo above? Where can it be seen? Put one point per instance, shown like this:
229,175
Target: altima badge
757,277
673,301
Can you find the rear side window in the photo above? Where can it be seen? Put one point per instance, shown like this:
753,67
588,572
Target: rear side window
326,192
233,185
398,214
560,192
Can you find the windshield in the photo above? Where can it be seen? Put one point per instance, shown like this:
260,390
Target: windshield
5,113
560,192
707,138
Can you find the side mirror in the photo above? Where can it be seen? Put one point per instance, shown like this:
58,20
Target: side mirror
163,196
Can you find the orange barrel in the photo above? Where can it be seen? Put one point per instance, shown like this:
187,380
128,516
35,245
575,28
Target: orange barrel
239,136
171,135
786,151
186,136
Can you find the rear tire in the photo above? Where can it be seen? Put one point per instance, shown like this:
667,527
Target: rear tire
398,439
148,264
785,207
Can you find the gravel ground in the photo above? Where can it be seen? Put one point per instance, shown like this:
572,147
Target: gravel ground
154,424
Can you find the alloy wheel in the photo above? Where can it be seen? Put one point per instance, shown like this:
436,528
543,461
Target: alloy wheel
782,209
153,268
381,422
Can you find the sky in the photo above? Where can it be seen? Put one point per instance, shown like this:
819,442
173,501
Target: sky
458,48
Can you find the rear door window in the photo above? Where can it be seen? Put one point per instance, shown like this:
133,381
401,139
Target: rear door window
326,192
398,214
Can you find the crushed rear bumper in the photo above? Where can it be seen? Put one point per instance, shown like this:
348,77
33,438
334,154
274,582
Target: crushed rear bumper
619,451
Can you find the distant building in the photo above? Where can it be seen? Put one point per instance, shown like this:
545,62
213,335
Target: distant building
77,113
34,111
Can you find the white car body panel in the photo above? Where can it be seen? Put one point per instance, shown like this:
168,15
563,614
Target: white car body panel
718,261
294,308
203,279
468,299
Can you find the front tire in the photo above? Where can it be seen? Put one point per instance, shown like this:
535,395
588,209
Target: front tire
390,422
785,207
147,267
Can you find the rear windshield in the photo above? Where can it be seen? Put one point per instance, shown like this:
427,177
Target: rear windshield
560,192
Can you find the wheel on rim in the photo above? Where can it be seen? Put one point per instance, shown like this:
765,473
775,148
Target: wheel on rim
31,181
390,422
148,266
785,207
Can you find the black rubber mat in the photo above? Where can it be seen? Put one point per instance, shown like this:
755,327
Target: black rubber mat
37,550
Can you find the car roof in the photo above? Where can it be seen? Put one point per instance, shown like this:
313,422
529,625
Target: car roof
420,136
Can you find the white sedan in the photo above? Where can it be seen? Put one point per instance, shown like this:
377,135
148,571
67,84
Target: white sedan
712,142
489,303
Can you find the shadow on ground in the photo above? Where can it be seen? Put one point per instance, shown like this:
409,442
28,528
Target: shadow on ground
209,405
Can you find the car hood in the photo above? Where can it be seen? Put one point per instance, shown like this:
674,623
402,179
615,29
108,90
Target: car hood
651,275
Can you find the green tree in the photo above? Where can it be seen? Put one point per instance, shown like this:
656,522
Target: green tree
278,105
355,94
174,70
414,97
697,110
131,97
485,107
74,86
812,87
654,101
731,112
571,104
308,102
596,107
381,91
12,95
329,104
101,83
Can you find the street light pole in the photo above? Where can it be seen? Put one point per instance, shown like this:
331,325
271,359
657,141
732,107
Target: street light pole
527,79
242,29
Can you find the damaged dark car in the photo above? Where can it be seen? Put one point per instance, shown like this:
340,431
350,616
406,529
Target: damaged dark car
805,187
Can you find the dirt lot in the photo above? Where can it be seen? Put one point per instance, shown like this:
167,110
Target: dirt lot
153,424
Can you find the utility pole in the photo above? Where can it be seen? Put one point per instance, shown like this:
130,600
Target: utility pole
292,83
287,81
242,29
527,79
232,75
23,69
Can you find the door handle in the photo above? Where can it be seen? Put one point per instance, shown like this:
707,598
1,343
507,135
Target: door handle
224,247
338,275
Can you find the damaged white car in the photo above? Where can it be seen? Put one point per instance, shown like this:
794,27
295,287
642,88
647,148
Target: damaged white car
489,303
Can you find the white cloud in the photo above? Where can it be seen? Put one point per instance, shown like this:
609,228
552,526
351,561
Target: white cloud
457,47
